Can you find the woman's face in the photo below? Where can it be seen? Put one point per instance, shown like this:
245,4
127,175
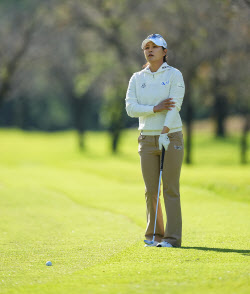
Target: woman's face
153,52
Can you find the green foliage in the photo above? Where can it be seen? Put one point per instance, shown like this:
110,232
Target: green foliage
86,213
93,64
79,42
114,105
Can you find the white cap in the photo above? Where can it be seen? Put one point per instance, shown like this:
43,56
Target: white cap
156,39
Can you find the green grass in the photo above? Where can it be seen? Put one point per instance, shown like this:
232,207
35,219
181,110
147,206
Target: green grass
86,213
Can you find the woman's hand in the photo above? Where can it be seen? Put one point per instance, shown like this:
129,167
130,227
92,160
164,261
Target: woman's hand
164,141
166,104
165,130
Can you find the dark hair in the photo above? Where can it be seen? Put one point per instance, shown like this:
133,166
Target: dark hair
164,59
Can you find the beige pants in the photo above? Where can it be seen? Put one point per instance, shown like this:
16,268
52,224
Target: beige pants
150,166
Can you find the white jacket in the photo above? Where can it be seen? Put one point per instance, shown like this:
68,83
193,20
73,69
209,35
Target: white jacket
147,89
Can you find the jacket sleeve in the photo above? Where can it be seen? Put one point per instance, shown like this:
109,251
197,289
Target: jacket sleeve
177,92
133,108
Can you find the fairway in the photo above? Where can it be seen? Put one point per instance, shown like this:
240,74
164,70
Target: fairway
85,212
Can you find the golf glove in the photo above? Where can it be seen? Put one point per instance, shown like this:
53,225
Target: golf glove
164,141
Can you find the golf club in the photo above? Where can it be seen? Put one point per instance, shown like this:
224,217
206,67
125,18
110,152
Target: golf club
158,196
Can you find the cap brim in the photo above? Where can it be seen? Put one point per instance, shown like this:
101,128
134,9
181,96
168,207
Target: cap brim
144,43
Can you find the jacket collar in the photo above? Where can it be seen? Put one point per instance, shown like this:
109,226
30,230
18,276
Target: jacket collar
163,67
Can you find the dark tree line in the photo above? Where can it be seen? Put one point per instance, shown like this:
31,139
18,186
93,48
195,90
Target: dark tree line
78,56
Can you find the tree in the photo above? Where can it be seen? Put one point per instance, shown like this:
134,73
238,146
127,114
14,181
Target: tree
10,62
77,68
206,38
113,25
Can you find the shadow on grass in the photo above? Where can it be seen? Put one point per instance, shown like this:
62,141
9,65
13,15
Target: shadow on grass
243,252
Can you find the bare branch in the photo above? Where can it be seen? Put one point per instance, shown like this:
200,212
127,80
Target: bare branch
13,64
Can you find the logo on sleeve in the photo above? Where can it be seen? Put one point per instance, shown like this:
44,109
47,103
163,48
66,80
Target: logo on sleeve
165,83
180,85
143,85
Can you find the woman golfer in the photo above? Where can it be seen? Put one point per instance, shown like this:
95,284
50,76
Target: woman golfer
155,95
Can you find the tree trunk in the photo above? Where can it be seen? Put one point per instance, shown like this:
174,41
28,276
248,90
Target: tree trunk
187,105
220,112
22,113
115,131
244,146
115,140
13,64
77,110
189,119
116,128
80,140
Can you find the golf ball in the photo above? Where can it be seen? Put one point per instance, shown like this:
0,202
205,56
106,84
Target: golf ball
48,263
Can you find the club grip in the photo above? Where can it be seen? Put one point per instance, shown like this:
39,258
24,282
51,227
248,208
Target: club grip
162,157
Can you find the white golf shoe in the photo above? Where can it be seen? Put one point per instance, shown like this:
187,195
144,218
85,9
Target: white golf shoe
152,245
164,244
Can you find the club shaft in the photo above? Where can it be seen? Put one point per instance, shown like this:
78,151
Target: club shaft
159,187
158,196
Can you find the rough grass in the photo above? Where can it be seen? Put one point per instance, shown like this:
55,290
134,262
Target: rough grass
86,213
